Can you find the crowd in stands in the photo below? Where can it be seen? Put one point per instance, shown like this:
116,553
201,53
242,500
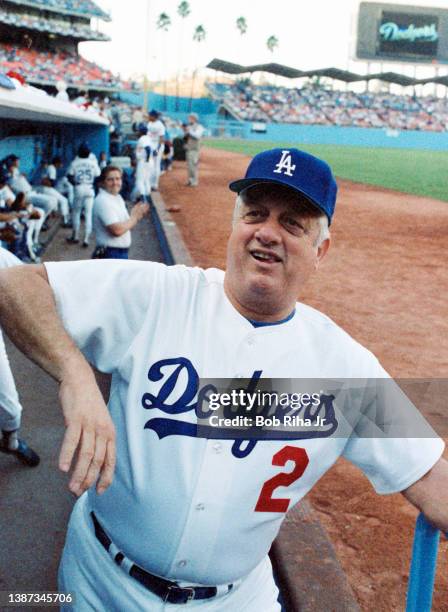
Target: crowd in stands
51,67
319,106
52,26
81,7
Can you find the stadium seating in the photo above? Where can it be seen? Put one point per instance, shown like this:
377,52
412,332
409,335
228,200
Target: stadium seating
52,26
81,7
48,68
315,105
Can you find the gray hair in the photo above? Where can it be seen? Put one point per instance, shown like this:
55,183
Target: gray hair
324,230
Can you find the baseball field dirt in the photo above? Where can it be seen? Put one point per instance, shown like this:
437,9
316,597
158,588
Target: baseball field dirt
385,281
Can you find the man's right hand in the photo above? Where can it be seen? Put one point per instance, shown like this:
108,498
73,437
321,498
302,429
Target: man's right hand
90,434
139,211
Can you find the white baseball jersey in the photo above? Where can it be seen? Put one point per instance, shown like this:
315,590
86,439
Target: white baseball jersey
51,172
109,209
197,509
156,130
140,151
6,196
19,182
10,408
83,170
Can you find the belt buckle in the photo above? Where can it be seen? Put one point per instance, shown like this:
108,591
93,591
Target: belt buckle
182,595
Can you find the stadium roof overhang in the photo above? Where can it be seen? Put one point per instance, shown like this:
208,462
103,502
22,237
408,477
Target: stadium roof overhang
96,12
31,104
332,73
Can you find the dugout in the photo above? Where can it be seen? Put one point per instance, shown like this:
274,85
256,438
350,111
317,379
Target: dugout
36,127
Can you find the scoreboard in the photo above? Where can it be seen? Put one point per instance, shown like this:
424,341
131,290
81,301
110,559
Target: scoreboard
402,33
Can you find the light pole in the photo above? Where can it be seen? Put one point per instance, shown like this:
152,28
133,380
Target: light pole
145,76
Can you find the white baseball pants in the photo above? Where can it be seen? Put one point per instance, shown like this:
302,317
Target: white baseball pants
100,585
84,196
10,407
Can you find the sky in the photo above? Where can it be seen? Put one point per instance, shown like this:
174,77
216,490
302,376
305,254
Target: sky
312,34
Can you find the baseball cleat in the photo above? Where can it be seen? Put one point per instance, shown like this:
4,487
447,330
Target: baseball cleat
23,452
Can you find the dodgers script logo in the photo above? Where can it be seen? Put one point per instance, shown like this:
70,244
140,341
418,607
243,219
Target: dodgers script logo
180,393
285,165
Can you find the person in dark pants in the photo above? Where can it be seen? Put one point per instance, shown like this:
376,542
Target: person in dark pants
111,221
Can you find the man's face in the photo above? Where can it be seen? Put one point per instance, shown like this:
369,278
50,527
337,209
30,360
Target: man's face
113,182
272,251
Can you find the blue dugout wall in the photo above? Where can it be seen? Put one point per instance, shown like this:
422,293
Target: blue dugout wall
37,142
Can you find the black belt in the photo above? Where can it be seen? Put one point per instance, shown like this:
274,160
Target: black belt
168,591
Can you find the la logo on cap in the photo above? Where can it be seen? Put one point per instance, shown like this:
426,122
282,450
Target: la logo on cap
285,165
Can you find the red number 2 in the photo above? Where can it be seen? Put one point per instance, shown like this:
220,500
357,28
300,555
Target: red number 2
266,503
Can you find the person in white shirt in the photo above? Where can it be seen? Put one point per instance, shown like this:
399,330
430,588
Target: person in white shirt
193,133
19,184
82,173
61,183
23,219
112,223
156,133
48,187
144,163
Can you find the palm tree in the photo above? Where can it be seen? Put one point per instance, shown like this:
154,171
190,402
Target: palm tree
183,10
199,33
163,23
272,43
198,36
241,24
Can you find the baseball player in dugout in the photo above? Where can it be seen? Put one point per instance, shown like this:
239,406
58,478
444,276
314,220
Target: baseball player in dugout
187,517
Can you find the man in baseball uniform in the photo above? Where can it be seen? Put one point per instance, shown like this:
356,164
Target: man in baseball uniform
82,173
156,133
189,518
145,162
62,184
10,407
19,184
49,187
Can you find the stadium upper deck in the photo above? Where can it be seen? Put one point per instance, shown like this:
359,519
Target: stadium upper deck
312,105
39,41
84,8
63,27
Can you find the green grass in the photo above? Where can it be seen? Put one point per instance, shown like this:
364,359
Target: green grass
411,171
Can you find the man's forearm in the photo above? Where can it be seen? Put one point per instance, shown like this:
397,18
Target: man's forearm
29,317
118,229
430,495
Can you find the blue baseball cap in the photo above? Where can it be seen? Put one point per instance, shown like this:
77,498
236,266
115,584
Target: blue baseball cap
302,172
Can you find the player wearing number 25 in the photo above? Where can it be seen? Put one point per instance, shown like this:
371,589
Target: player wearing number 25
82,173
189,519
